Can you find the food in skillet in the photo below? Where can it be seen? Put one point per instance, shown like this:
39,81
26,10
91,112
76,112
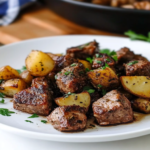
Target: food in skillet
130,4
86,81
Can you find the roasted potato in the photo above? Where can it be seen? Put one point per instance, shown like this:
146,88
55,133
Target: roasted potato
103,78
8,72
85,63
12,86
141,105
26,76
82,99
137,85
39,63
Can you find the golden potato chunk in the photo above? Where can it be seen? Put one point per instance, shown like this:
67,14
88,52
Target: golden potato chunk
26,76
137,85
103,78
141,105
39,63
85,63
82,99
8,72
12,86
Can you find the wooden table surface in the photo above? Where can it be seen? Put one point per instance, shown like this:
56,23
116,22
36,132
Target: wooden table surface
41,22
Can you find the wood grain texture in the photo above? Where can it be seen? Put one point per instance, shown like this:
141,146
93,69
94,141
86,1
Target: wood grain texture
42,22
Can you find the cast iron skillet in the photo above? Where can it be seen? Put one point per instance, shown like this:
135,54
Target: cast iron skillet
106,18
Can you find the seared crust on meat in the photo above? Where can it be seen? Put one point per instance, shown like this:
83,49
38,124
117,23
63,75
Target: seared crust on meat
125,55
100,60
141,68
113,108
83,51
72,79
68,118
36,99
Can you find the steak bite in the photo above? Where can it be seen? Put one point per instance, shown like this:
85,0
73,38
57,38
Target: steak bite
100,60
68,118
62,61
113,108
72,79
36,99
125,55
137,68
84,51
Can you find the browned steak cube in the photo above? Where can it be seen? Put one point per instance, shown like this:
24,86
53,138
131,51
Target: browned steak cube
62,61
71,79
125,55
68,118
83,51
113,108
140,57
137,68
100,60
36,99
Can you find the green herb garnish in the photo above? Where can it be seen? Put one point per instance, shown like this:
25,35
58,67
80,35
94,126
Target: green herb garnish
22,69
1,81
113,54
44,121
99,85
88,89
2,95
97,55
55,77
132,63
69,93
104,67
99,62
89,59
134,36
87,69
34,116
108,59
2,101
67,73
103,92
28,121
72,65
5,112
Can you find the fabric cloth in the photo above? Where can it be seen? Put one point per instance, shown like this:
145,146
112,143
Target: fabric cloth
9,9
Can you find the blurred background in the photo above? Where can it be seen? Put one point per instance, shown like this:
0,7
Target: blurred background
26,19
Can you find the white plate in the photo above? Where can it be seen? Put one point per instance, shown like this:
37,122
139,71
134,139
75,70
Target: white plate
15,54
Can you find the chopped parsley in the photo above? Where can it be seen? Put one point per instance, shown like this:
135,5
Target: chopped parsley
99,62
55,77
2,101
134,36
72,65
113,54
22,69
104,67
103,92
67,73
1,81
28,121
87,69
132,63
97,55
89,59
44,121
88,89
69,93
99,85
34,116
2,95
5,112
108,59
